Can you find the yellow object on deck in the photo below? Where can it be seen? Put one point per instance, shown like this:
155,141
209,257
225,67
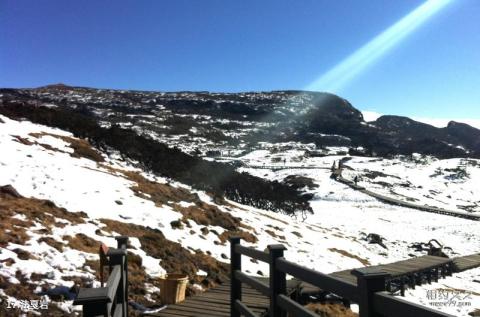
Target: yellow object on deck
172,288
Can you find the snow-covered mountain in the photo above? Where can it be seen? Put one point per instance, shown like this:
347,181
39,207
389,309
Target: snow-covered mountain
208,123
72,188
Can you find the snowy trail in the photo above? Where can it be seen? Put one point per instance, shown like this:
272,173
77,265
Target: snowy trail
397,202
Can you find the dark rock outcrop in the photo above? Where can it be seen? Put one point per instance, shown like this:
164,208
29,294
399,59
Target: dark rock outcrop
10,190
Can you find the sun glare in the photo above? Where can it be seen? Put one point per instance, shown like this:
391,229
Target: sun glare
344,72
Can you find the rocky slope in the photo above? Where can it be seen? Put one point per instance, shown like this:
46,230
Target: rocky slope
212,123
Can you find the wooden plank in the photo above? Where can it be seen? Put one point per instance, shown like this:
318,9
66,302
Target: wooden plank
216,303
467,262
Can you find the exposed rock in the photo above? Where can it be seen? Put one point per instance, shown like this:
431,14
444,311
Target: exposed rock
10,190
374,238
176,224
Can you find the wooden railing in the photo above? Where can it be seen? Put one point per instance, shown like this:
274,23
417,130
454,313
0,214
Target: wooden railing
369,293
111,300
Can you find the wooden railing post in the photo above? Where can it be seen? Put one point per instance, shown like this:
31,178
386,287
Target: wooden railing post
94,302
118,257
235,285
122,242
369,281
278,280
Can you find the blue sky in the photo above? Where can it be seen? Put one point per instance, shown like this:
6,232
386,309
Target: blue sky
247,45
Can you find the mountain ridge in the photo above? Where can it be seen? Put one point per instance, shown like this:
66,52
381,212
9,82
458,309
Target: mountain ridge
233,120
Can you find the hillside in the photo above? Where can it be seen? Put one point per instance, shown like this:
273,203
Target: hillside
213,123
78,176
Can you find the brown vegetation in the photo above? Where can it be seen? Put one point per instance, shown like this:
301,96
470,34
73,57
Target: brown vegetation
44,211
270,232
172,256
244,235
81,147
83,243
160,194
13,230
331,310
53,243
24,141
202,213
348,254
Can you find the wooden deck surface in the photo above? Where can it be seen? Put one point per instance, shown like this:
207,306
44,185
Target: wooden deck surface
215,303
464,263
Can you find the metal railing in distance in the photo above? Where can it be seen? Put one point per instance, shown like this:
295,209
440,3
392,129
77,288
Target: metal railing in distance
388,305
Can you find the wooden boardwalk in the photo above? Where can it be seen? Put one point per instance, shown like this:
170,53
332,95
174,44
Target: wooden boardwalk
467,262
215,303
398,270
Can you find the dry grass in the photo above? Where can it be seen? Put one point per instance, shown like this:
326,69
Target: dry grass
172,256
270,232
53,243
160,194
83,243
244,235
23,141
13,230
202,213
348,254
331,310
81,148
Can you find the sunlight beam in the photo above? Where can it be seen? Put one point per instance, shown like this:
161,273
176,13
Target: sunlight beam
345,71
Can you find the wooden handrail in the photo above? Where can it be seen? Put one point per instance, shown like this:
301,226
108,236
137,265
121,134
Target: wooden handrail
320,280
252,253
256,284
369,292
111,300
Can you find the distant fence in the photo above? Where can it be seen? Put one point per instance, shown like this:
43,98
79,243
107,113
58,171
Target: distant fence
111,300
369,293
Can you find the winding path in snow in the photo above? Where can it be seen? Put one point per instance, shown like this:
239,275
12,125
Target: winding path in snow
397,202
286,167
